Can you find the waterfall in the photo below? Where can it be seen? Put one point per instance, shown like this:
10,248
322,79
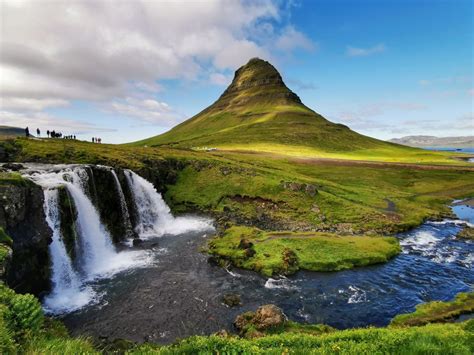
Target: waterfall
123,205
96,256
155,218
68,293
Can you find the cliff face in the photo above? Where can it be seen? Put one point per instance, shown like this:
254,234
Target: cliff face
22,217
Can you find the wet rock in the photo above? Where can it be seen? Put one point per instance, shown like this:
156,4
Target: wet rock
13,166
137,242
22,217
232,300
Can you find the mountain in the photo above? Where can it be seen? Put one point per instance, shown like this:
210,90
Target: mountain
8,131
436,142
259,112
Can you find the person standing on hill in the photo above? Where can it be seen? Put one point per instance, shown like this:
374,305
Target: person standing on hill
38,132
27,132
47,133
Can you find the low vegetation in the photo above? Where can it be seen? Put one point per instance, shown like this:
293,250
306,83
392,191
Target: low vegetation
270,191
283,253
433,312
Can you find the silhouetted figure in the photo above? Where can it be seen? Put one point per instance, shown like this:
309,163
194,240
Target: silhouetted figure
93,140
38,132
47,133
74,137
27,132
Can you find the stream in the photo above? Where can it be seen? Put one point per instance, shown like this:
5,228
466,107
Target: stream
179,293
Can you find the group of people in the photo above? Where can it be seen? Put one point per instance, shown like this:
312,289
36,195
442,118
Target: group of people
54,134
50,134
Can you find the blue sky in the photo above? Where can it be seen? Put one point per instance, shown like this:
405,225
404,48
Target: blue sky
385,68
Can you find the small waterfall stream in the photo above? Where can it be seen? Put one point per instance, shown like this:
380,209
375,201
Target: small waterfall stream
123,205
97,257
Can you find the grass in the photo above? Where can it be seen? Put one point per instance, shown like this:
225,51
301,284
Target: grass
247,188
275,253
437,311
453,339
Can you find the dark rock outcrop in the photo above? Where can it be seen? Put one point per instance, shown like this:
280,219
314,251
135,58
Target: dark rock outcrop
22,217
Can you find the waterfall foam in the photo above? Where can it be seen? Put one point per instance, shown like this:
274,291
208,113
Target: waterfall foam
155,218
68,292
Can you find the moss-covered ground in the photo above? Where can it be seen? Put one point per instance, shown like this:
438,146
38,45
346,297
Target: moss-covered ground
274,253
437,311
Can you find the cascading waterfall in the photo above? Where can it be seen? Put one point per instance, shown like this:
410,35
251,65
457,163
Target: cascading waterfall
155,218
68,292
97,256
123,204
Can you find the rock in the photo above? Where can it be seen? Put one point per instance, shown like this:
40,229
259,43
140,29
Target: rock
311,190
13,166
249,253
269,316
137,242
245,244
225,170
266,317
232,300
294,186
290,259
466,233
22,217
223,334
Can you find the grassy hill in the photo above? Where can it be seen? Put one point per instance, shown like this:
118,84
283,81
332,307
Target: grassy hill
8,131
258,112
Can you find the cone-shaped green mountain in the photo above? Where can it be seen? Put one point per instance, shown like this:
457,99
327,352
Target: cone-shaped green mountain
259,112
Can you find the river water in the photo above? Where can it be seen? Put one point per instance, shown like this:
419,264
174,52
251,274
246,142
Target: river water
180,293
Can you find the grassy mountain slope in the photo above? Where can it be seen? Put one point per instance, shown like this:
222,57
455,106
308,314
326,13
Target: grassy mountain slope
258,112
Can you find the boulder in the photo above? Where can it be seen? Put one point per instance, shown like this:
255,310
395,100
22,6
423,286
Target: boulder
266,317
269,316
13,166
231,300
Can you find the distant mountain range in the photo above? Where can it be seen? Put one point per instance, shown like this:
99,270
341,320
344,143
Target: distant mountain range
8,131
436,142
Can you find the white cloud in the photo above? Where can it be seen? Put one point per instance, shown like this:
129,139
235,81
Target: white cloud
146,110
363,52
291,39
54,52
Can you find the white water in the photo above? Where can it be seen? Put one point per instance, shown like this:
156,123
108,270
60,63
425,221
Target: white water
155,218
68,293
123,203
97,255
